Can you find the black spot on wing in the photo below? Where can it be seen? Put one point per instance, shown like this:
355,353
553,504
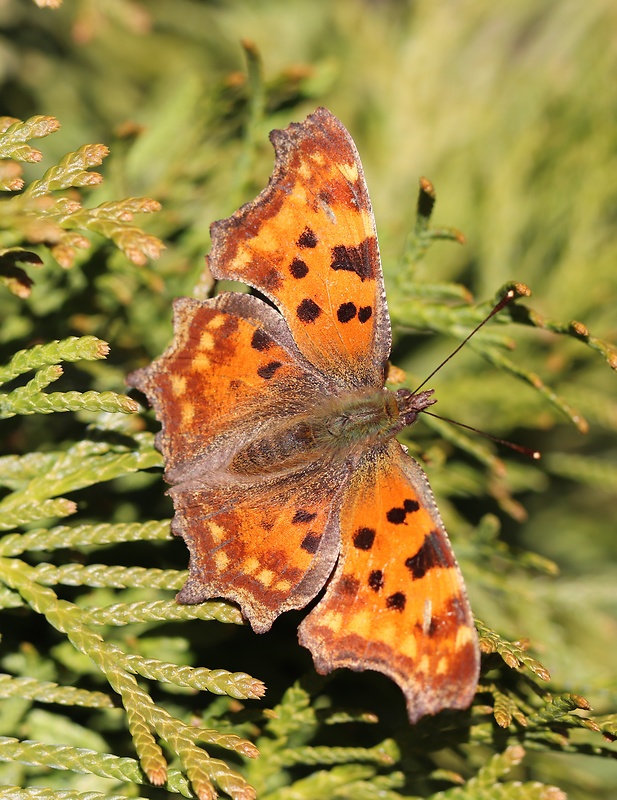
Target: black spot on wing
397,515
307,239
298,268
363,538
396,601
261,340
360,259
431,554
365,313
302,515
267,370
310,543
346,312
375,580
308,311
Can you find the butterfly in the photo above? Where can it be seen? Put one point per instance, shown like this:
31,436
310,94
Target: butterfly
279,436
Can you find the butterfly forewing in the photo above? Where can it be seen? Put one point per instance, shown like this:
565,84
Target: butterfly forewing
397,603
309,243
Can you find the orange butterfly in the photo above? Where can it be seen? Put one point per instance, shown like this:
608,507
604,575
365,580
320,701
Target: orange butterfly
279,436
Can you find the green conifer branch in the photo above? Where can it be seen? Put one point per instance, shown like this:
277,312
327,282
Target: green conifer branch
72,171
577,330
458,321
24,401
293,714
505,709
28,511
61,536
39,216
14,134
9,599
143,715
82,348
83,760
42,793
499,360
164,610
219,681
111,576
84,464
487,785
347,781
385,754
49,692
511,652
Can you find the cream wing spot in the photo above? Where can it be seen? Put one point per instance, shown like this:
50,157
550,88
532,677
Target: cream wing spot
362,623
221,559
442,666
350,172
334,621
409,647
304,171
424,664
464,635
216,532
251,565
301,196
242,257
206,343
266,576
178,384
216,322
187,413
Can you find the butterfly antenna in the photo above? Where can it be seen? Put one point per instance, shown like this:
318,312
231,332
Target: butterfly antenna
520,290
526,451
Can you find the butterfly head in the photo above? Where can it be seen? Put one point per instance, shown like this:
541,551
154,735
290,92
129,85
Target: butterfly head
410,404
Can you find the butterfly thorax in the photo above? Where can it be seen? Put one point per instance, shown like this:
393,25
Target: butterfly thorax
339,427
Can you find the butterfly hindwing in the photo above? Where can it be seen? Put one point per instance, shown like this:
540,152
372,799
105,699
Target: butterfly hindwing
269,546
231,367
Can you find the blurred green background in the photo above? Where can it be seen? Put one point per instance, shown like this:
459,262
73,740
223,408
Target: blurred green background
509,108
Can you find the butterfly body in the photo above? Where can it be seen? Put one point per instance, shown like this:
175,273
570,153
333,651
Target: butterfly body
279,436
340,427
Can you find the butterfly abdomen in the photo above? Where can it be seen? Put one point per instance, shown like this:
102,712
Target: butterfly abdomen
281,447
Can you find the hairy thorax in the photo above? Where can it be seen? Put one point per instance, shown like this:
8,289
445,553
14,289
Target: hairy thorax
338,427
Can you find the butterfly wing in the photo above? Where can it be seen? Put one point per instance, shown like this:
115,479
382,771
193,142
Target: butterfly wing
269,546
397,602
265,540
231,368
308,242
